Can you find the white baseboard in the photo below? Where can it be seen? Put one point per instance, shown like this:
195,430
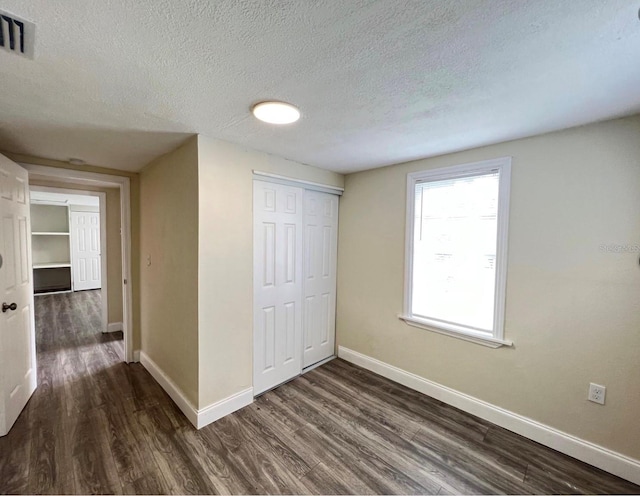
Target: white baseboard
224,407
171,388
198,417
114,326
136,356
593,454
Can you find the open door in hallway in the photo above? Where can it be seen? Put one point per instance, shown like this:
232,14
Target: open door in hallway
17,339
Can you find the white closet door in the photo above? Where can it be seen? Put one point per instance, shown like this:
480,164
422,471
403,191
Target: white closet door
85,250
320,253
277,283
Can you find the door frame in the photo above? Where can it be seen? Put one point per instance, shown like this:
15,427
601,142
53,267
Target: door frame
123,183
103,241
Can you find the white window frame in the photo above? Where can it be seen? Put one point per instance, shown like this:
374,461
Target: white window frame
496,338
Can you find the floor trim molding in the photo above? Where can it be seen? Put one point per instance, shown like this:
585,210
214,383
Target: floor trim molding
198,417
171,388
136,356
593,454
114,326
224,407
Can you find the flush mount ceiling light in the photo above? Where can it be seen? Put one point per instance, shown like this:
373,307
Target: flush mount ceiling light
276,112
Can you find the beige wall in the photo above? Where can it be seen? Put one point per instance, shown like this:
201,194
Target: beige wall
114,255
226,260
572,309
169,285
193,305
114,247
135,224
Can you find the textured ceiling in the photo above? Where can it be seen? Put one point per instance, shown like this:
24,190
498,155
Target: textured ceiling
119,82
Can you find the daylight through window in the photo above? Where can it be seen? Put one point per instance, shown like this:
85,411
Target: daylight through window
457,248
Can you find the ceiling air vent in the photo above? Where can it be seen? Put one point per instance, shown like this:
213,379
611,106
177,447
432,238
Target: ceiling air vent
17,35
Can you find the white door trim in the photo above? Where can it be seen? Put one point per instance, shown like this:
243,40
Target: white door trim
105,180
300,183
102,198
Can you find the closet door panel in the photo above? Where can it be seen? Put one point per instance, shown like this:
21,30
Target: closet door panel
320,254
278,214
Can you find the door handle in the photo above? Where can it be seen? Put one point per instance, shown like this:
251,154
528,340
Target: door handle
6,306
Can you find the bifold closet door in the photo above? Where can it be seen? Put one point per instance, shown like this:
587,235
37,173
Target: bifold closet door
320,253
277,283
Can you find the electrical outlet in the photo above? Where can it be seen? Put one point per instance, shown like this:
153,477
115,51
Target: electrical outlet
597,393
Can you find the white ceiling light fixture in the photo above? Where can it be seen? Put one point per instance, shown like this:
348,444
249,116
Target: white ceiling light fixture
276,112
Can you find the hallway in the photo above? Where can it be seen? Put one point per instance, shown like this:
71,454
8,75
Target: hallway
85,398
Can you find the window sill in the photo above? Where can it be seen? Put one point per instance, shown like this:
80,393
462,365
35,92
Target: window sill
466,336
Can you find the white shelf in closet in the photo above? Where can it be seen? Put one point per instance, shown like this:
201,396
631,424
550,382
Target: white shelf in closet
51,248
53,265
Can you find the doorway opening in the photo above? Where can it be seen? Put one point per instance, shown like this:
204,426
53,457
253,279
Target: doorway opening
75,240
93,282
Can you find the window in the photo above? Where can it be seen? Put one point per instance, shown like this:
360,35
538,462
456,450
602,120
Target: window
457,219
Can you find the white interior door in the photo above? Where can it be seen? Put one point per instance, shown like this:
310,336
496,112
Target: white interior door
320,254
85,250
277,283
17,339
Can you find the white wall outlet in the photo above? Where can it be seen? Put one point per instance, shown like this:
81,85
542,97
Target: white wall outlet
597,393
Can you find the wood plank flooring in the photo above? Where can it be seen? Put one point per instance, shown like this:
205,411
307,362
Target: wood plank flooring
97,425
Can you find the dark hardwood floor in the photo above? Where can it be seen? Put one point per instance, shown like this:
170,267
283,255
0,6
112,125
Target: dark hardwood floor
97,425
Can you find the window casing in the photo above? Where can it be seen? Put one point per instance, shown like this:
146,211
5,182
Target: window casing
456,250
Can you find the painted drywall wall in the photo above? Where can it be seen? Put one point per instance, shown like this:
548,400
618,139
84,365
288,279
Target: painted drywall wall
169,265
114,247
114,255
226,260
135,224
572,302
